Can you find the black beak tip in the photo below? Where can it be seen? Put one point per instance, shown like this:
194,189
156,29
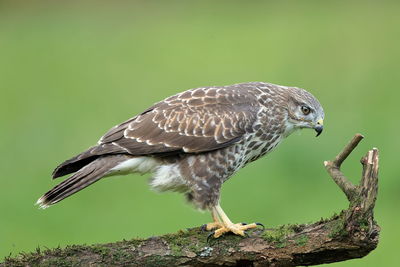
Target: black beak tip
319,130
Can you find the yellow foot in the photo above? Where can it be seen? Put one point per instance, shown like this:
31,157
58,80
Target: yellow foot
237,229
213,225
223,225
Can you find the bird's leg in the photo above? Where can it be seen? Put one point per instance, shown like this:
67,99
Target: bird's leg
227,225
216,221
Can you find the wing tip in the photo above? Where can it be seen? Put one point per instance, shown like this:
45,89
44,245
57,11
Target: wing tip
73,165
55,174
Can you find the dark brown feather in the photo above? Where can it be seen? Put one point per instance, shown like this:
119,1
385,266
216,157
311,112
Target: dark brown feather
86,176
72,165
195,121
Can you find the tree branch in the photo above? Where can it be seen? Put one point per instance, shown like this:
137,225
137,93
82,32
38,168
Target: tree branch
351,234
333,168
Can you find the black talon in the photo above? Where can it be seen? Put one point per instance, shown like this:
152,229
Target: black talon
210,235
204,228
262,225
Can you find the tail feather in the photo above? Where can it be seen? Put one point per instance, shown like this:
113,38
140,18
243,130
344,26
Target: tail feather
86,176
72,165
79,161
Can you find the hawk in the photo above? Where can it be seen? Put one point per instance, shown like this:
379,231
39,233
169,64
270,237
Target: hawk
193,142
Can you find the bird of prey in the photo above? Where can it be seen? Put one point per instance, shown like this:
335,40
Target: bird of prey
194,141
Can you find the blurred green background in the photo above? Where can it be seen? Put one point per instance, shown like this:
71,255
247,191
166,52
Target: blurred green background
70,71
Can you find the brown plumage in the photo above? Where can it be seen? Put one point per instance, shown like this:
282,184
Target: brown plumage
194,141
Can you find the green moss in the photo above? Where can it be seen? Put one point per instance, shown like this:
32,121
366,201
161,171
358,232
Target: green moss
176,250
120,256
133,242
279,236
301,240
282,244
191,239
159,261
36,259
61,262
103,251
363,224
337,227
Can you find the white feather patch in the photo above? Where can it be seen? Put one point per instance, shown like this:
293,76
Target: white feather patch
168,178
135,165
165,177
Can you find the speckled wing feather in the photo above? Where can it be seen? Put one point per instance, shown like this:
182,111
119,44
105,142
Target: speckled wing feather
195,121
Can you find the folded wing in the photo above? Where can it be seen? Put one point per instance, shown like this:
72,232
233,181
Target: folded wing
195,121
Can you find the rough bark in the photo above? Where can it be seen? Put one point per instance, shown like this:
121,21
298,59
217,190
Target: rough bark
351,234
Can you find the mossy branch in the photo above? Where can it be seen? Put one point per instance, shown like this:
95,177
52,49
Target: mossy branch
351,234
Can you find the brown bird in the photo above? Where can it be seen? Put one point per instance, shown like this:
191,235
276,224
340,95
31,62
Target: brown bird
194,141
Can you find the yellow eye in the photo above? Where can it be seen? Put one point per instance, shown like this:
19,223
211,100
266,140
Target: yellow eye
306,110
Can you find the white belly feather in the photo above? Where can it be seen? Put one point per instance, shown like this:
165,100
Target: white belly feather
135,165
166,177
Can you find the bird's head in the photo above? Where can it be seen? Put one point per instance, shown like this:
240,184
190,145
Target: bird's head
304,111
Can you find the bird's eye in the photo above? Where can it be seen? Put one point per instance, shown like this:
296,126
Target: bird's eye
306,110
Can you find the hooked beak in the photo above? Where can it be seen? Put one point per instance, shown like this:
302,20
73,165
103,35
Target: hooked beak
319,127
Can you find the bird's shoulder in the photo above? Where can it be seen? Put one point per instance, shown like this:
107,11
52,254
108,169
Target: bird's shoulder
196,120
